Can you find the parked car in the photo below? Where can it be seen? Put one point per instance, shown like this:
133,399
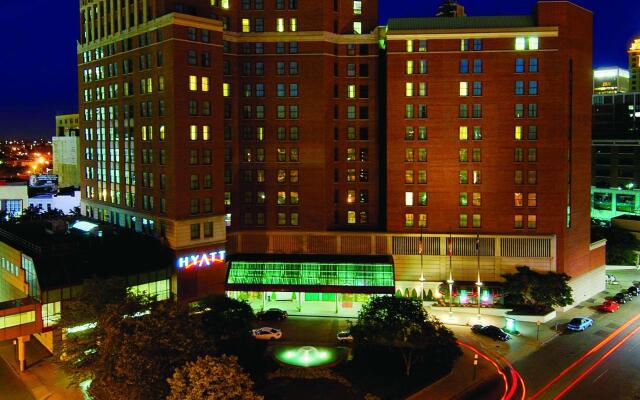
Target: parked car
633,290
344,336
491,331
610,279
267,333
579,324
609,306
619,298
626,295
272,314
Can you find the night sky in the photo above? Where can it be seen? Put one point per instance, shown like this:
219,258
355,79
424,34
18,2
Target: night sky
38,50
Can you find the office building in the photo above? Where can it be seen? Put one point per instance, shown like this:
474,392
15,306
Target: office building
66,150
380,159
610,80
634,65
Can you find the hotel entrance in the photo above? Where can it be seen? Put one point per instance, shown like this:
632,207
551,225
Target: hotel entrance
309,284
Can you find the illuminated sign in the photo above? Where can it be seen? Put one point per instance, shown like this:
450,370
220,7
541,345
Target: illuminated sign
201,260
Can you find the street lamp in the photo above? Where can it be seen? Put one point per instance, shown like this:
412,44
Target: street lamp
450,282
479,285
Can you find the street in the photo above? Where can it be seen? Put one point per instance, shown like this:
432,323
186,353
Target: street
11,387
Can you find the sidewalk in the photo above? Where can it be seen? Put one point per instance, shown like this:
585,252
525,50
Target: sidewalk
43,378
460,379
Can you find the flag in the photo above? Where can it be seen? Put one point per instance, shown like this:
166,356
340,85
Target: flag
449,246
420,246
477,242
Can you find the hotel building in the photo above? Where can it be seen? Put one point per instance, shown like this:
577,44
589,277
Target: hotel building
379,159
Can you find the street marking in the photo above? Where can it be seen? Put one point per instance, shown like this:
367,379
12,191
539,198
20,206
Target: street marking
585,355
600,376
601,359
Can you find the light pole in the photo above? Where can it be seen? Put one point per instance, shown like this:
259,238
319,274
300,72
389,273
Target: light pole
420,251
478,282
450,280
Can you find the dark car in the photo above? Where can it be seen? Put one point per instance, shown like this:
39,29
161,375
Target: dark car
626,295
491,331
619,298
272,314
633,290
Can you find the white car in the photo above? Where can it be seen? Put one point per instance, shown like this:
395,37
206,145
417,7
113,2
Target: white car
267,333
344,336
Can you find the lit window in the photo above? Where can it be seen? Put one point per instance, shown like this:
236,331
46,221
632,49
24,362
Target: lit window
477,221
477,199
408,89
280,24
224,4
409,69
246,25
534,44
408,198
462,220
531,221
293,24
193,132
206,135
520,43
357,27
463,177
351,217
409,46
463,199
464,133
422,222
351,91
408,220
477,177
518,133
282,198
464,88
532,200
205,84
517,200
226,89
351,196
193,83
517,221
357,7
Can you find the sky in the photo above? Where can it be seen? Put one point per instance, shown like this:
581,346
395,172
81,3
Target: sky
38,76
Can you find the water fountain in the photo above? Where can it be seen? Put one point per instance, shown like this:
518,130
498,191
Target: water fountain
308,356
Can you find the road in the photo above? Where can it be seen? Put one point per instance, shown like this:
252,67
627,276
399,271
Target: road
597,363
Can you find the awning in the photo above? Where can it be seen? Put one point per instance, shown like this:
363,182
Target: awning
311,273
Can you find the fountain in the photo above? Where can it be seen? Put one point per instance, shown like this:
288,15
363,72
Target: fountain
308,356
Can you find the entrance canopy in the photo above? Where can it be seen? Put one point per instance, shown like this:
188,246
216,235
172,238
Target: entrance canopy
311,273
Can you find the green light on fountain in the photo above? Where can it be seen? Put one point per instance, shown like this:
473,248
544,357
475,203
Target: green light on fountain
307,356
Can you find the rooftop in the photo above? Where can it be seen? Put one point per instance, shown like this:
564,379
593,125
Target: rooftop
69,257
486,22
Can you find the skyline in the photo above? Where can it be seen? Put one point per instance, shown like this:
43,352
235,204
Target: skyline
34,93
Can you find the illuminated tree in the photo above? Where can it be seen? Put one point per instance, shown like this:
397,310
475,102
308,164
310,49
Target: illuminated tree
402,325
211,378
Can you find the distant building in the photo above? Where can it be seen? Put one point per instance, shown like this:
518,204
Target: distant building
14,197
616,141
65,200
634,65
611,203
610,80
44,263
67,125
450,8
66,150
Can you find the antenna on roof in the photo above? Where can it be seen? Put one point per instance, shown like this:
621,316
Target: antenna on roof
450,8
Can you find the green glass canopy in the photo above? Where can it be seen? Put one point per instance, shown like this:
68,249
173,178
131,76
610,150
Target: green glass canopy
338,277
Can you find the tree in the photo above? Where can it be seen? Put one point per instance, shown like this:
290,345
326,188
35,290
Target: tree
226,320
402,325
211,378
138,352
622,246
76,352
528,290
